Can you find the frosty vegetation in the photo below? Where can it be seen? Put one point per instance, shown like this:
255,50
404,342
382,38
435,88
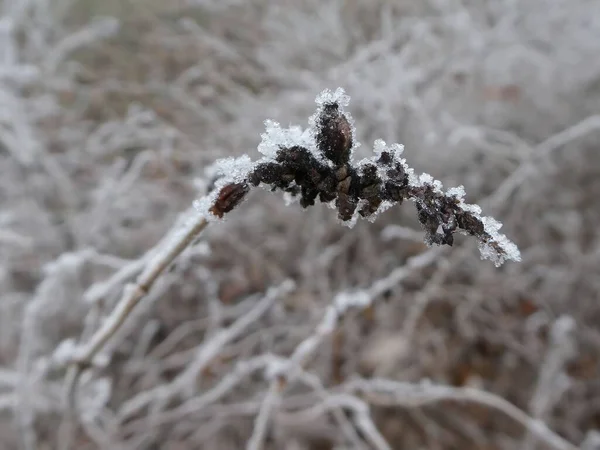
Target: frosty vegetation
151,298
318,163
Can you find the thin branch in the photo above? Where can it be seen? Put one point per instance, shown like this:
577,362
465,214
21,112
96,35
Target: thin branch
387,392
132,294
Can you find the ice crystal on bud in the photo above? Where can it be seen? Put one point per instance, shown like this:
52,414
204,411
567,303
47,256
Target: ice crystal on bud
339,96
274,138
458,192
394,150
379,146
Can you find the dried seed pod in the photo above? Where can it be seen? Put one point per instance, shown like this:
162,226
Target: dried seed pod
334,134
229,197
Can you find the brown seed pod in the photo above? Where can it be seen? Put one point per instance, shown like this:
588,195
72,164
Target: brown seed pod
334,135
229,197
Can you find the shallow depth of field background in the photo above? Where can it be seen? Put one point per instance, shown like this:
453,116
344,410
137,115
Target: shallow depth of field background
111,110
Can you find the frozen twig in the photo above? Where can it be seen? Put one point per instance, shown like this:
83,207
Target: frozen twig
317,163
132,294
552,382
386,392
285,373
206,353
262,419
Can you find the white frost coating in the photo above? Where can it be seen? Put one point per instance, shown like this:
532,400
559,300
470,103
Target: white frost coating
379,146
342,302
396,150
234,169
510,250
473,209
487,249
384,206
491,225
339,96
276,368
276,137
458,192
349,223
64,352
97,394
562,327
425,178
290,199
346,300
203,205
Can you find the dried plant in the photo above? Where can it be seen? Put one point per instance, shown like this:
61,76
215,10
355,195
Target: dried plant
171,341
318,163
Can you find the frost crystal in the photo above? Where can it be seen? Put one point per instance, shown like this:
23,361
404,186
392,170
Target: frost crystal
274,138
234,169
380,146
339,96
458,192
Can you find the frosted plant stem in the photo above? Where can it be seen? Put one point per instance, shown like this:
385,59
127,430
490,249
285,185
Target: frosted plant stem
384,392
132,294
261,424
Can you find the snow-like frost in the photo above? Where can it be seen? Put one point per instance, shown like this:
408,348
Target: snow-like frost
349,223
380,146
339,96
234,169
491,225
509,250
473,209
458,192
276,137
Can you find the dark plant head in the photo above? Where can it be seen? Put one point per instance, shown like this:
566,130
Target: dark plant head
316,164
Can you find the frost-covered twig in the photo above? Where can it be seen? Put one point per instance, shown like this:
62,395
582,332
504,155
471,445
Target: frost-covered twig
206,353
386,392
552,381
284,373
132,294
360,411
262,419
317,163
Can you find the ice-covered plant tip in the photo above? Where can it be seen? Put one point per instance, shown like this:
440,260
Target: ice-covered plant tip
317,163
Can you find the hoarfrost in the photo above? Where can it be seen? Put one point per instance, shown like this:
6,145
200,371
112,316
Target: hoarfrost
276,137
234,170
473,209
380,146
488,250
458,192
327,97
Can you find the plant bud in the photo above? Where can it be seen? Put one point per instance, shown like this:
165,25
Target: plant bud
334,134
229,197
